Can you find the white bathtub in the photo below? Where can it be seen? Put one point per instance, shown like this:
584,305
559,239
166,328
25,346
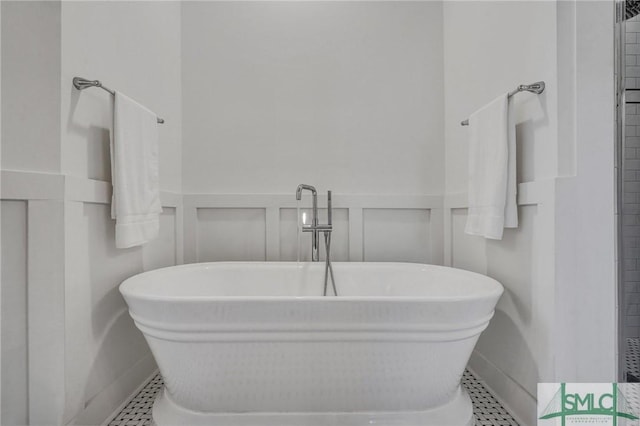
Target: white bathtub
254,343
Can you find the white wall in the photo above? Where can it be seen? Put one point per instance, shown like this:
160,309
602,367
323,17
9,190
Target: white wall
585,232
557,267
341,95
82,355
490,48
1,393
512,44
30,141
344,96
630,286
353,102
31,86
133,47
14,312
130,46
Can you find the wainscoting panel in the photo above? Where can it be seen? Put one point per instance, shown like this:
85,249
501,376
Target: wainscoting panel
404,228
14,343
101,341
231,234
81,355
523,261
163,251
397,235
108,352
512,262
469,250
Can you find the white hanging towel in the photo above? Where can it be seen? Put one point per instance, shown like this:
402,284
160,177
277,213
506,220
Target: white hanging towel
135,203
492,183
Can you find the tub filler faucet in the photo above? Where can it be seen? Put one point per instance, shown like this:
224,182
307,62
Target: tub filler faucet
316,228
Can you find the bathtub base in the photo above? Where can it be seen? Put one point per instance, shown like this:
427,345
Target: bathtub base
458,412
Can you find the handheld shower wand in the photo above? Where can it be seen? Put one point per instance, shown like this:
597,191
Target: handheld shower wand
328,268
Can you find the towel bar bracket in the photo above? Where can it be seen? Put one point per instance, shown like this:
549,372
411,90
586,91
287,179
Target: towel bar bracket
82,83
537,88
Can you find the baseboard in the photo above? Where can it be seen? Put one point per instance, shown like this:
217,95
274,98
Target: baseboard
521,405
108,403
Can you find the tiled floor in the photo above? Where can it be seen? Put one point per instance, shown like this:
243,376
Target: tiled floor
486,408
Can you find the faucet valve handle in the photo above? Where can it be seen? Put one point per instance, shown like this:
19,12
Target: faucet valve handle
318,228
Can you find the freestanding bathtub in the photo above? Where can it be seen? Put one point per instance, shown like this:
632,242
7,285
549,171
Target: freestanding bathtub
254,343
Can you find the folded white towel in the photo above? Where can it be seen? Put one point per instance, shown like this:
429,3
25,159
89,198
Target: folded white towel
135,204
492,170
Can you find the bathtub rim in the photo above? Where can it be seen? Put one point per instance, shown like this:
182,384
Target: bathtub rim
124,288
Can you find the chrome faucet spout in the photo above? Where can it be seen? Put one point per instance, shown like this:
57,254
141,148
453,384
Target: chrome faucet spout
301,187
315,252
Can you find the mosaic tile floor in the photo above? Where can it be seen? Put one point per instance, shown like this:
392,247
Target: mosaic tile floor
487,410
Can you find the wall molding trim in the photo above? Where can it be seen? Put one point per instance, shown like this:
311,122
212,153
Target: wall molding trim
289,200
58,260
17,185
23,185
529,193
